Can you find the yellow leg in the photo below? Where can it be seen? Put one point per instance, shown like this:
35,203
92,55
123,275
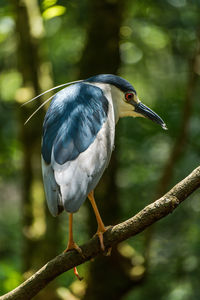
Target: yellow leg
101,228
71,244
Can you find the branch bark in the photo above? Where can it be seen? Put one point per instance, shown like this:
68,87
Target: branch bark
114,235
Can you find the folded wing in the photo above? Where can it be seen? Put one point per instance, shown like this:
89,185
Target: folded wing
76,146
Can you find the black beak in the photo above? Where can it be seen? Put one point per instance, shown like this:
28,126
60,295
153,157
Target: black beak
150,114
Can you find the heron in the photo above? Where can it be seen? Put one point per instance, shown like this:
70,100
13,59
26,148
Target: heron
78,140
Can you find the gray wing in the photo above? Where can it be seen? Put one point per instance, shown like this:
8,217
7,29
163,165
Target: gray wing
52,189
78,177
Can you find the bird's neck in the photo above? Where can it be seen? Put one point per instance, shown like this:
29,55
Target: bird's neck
110,94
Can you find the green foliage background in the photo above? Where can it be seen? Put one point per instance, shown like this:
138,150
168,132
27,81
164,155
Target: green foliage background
158,40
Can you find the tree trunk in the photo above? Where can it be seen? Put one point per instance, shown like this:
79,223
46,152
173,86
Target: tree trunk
30,65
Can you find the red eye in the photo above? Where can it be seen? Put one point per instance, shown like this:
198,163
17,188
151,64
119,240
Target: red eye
129,96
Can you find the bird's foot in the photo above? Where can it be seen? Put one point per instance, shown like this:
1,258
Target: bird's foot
100,236
100,233
73,246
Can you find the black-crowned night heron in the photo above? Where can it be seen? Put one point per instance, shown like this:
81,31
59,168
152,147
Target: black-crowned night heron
78,140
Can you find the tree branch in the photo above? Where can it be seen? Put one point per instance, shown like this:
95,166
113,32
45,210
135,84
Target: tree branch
147,216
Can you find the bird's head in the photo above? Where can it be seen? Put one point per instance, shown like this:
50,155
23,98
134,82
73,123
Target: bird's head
125,99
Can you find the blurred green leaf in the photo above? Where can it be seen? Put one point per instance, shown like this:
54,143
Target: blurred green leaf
11,79
9,277
130,54
48,3
153,36
53,12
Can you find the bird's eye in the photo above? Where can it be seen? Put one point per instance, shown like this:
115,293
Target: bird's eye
129,96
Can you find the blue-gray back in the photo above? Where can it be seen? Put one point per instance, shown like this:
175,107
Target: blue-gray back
74,118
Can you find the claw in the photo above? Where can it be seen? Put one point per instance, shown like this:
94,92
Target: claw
100,232
76,274
73,245
100,235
